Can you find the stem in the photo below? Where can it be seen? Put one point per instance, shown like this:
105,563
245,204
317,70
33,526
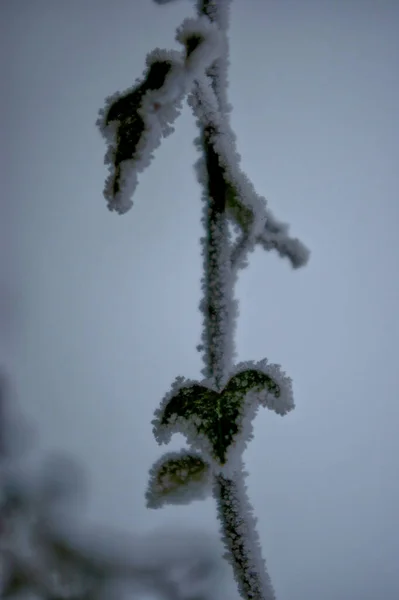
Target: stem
241,538
218,316
234,509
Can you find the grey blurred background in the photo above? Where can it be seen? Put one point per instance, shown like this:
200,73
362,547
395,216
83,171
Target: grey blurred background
103,309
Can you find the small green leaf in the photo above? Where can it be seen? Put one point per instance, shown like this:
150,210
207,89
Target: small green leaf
178,478
217,415
125,111
251,380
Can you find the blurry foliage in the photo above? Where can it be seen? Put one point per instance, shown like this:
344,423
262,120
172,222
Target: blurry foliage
46,555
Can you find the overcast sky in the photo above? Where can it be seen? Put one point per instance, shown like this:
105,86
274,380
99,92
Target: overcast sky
107,306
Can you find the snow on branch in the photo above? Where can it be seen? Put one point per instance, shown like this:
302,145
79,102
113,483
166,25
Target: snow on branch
203,42
218,12
247,209
275,237
215,414
218,306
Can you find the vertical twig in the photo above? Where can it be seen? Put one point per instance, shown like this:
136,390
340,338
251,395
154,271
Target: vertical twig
133,124
234,509
218,317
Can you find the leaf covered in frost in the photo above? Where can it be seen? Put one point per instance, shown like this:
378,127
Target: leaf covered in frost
178,478
198,411
133,123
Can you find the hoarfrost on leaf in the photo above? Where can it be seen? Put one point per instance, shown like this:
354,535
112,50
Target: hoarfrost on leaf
179,478
133,123
213,421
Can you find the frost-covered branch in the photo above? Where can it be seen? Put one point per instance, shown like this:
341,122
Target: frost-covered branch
227,192
214,414
241,539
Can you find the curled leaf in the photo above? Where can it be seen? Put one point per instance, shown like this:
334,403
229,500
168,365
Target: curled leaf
134,122
212,420
178,478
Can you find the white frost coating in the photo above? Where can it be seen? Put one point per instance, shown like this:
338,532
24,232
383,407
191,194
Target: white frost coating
209,44
244,435
158,109
218,280
217,11
174,483
244,205
178,424
205,107
240,538
246,208
163,433
281,404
